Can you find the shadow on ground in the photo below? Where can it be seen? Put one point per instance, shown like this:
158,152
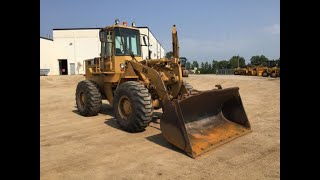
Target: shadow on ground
112,122
160,140
156,117
106,109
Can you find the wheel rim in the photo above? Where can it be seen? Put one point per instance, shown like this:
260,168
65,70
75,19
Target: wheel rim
124,107
82,98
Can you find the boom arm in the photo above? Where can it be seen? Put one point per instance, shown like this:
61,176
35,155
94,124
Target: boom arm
175,44
155,79
165,78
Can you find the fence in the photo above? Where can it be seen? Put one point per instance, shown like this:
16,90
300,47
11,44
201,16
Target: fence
224,71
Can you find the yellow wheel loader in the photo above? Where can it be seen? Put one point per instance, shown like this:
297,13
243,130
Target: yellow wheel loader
237,71
261,71
251,71
240,71
272,69
194,121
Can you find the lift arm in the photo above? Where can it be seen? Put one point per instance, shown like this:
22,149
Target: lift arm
154,77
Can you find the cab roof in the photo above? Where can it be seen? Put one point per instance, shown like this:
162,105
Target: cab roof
121,26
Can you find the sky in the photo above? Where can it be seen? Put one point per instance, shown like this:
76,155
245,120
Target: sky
207,29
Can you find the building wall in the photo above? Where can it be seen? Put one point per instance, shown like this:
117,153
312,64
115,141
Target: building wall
156,48
48,56
76,46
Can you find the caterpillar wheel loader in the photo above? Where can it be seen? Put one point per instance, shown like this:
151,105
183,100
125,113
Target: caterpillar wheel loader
194,121
261,70
271,69
237,71
251,71
240,71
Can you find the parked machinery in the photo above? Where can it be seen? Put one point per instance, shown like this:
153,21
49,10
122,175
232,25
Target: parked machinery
185,70
194,121
272,69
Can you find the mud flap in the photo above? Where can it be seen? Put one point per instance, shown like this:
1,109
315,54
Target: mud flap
204,121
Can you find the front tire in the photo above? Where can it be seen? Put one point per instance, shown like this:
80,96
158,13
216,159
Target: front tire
133,106
88,98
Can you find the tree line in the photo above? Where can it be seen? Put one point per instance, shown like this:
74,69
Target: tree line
234,62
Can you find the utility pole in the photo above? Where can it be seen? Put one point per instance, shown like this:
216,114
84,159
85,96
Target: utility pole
238,60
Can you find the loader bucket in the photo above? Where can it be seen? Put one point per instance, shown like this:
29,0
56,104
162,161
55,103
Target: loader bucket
205,120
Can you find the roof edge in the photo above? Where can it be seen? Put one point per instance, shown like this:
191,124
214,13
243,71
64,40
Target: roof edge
57,29
46,38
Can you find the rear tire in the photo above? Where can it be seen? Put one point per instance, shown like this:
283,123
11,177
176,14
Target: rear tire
88,98
133,106
265,74
273,74
99,89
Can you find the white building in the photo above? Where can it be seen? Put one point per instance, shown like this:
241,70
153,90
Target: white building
64,54
48,58
155,49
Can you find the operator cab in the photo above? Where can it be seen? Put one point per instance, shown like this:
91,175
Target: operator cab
120,40
183,61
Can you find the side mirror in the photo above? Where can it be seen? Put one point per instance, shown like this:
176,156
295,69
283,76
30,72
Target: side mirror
102,36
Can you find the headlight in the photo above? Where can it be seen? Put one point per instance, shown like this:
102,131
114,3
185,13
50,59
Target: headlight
122,66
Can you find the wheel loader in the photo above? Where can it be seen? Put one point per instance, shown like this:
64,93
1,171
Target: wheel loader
251,71
271,69
194,121
240,71
261,70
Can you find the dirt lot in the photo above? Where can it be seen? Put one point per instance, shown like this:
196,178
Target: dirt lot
76,147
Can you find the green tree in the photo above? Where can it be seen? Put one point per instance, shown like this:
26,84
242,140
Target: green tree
206,68
278,62
195,64
223,64
191,66
201,69
214,66
169,54
209,69
202,65
257,60
234,62
188,65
